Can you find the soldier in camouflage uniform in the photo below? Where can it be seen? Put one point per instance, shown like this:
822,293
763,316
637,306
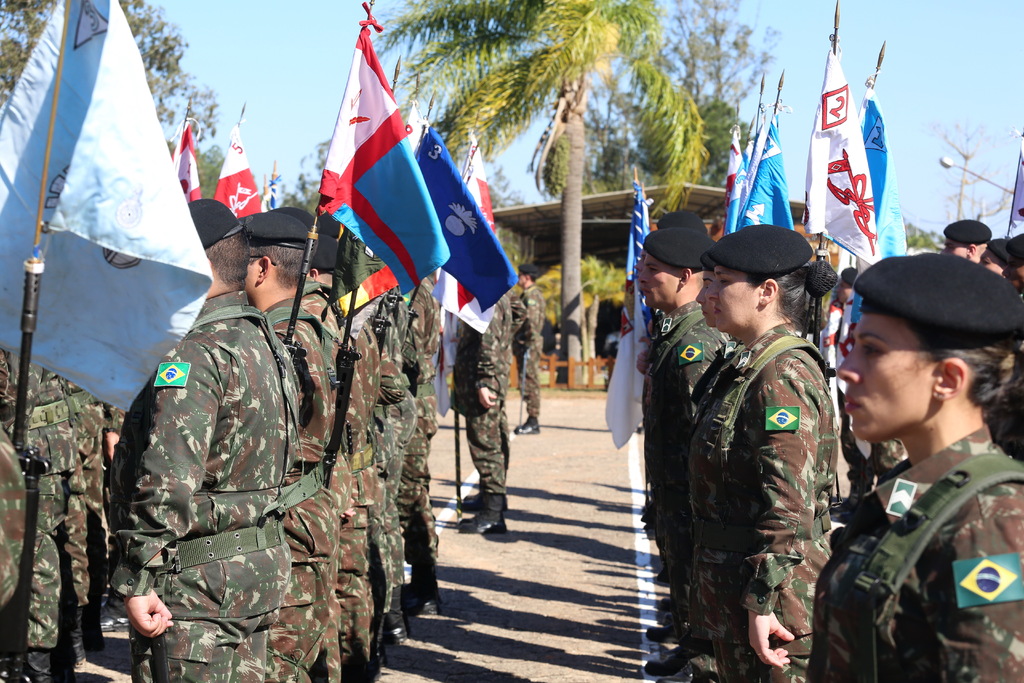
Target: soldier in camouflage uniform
51,430
684,348
925,583
482,365
529,344
196,479
762,462
417,515
301,635
12,518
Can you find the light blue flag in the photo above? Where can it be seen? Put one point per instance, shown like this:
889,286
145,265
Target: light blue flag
892,235
768,201
125,273
732,217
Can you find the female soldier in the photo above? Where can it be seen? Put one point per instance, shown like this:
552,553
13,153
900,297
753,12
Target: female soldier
925,584
762,460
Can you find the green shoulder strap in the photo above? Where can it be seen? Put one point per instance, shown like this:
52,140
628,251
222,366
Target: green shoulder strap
684,326
902,545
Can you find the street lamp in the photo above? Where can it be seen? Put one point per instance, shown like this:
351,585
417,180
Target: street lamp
949,163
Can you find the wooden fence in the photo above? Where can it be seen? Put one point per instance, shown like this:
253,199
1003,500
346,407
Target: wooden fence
590,374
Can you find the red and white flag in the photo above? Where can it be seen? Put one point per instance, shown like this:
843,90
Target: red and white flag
476,179
1017,209
735,158
184,161
236,188
839,196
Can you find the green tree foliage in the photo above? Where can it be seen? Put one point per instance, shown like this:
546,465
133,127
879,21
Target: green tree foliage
160,43
210,162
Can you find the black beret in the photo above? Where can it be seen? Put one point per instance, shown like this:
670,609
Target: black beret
706,262
277,228
998,247
944,292
1015,246
329,225
326,255
213,221
968,232
529,269
766,250
848,275
679,247
682,219
295,212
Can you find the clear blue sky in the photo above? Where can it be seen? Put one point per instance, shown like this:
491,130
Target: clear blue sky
947,63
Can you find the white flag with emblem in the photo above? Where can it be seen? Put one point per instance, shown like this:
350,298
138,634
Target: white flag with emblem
839,196
125,273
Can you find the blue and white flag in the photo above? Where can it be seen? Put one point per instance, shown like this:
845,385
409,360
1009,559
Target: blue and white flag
125,273
477,260
624,405
892,235
732,216
768,201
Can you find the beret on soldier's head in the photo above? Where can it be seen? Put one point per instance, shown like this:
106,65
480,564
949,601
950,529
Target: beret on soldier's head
766,250
706,262
213,221
943,292
683,219
848,275
529,269
1015,247
276,228
998,247
329,225
326,255
678,247
968,232
305,217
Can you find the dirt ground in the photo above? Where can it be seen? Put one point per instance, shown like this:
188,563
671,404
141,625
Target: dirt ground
564,597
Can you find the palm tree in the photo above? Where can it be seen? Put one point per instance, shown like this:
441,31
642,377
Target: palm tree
498,64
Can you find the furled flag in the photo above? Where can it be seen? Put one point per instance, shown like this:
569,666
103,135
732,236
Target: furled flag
732,216
839,194
236,188
892,235
1017,208
735,157
753,163
371,182
120,237
184,161
357,269
768,201
476,179
271,199
624,408
445,363
477,260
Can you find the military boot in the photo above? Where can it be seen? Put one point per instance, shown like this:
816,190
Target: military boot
394,630
37,667
529,427
420,595
474,503
490,521
92,633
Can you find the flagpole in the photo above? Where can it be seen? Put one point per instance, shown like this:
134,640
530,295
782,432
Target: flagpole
835,36
878,67
394,81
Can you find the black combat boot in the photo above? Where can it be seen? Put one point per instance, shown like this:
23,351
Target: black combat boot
37,666
474,503
394,630
114,616
529,427
92,634
420,596
490,521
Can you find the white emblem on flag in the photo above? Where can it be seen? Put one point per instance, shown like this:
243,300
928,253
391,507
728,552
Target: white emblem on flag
459,220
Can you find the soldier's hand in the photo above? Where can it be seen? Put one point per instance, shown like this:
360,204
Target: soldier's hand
148,614
110,440
763,626
642,363
486,396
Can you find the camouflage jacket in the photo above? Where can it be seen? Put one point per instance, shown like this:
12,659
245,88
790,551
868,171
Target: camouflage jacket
395,413
12,518
485,360
357,445
958,615
682,356
760,495
531,334
204,450
424,337
56,441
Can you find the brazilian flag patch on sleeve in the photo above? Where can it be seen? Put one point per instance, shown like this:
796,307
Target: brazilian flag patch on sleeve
172,374
783,419
988,580
691,353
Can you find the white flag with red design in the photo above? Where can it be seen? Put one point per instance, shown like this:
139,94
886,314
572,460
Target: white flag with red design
839,196
476,179
735,158
236,188
184,161
1017,210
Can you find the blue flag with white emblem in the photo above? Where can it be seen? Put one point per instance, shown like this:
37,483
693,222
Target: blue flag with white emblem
125,272
477,260
768,200
892,235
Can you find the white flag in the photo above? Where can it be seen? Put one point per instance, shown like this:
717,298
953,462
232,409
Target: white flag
839,196
125,272
1017,208
183,159
455,299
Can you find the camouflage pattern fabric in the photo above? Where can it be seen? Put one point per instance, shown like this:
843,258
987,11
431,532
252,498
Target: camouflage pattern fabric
686,347
56,442
760,498
745,667
924,634
199,651
204,450
416,515
12,518
484,360
531,338
299,636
